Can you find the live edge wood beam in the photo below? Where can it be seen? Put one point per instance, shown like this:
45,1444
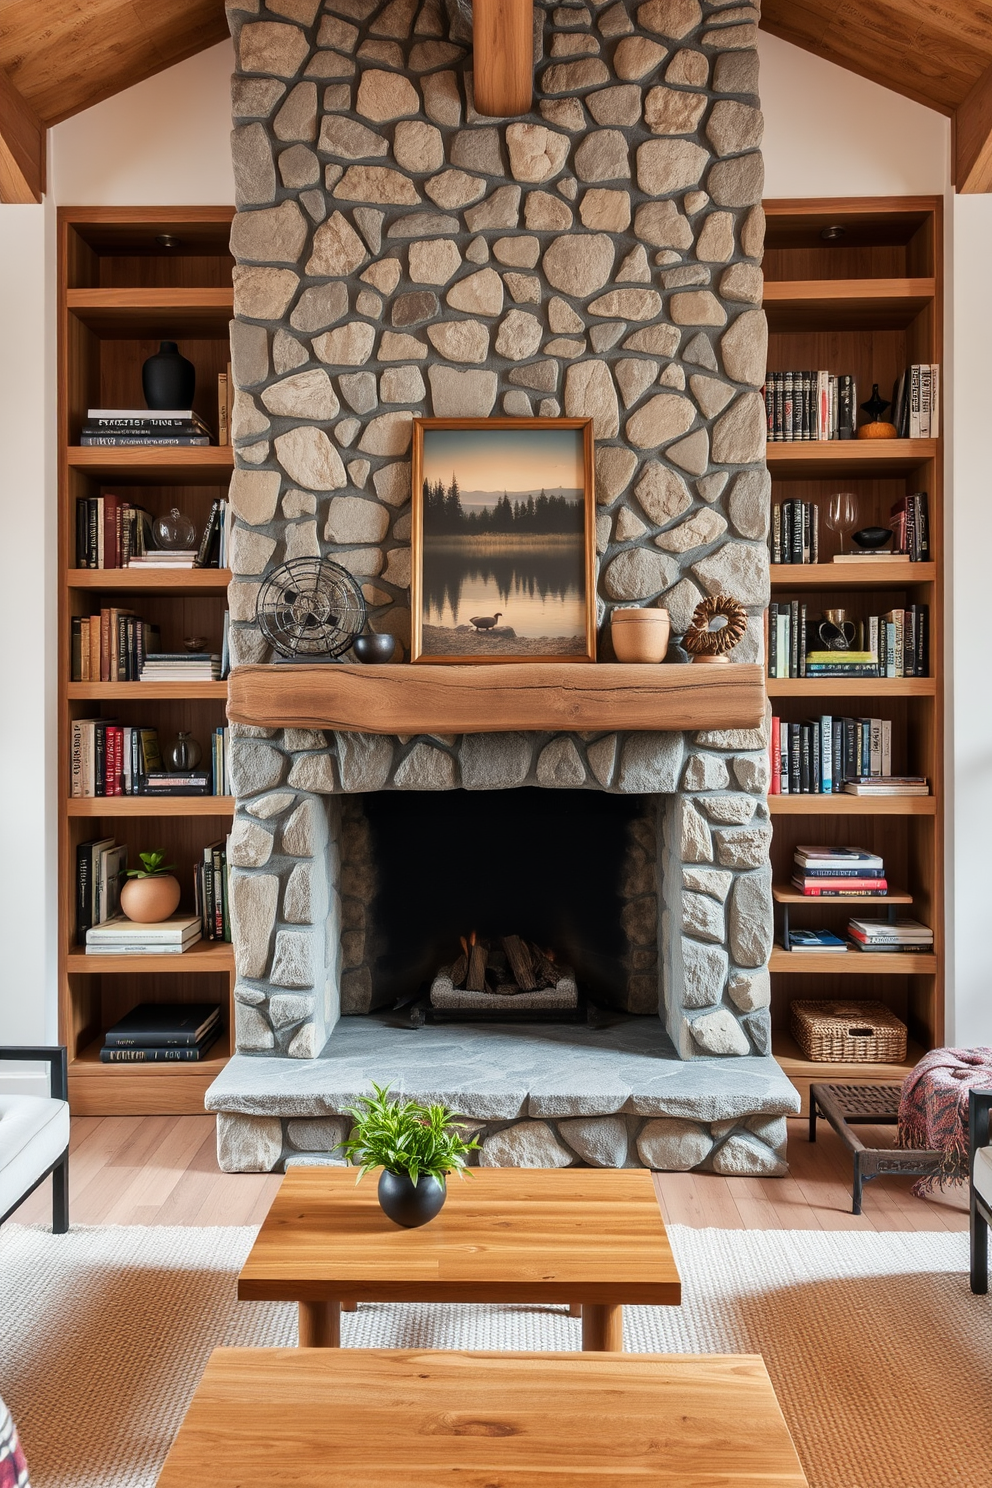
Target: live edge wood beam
973,138
22,147
421,698
503,57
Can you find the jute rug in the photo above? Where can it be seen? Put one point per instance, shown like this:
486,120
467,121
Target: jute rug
881,1357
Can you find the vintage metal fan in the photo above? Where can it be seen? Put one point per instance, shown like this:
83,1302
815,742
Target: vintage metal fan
310,609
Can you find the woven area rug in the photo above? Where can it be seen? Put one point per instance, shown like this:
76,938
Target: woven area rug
880,1355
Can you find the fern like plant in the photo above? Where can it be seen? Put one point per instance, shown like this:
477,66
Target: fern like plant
405,1138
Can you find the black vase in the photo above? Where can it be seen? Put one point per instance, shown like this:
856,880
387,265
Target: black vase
407,1203
168,380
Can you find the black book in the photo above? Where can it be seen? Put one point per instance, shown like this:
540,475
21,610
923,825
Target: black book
82,532
794,639
805,759
921,504
206,540
773,640
115,441
815,762
847,412
796,529
114,1054
798,405
921,617
837,743
843,870
794,759
779,405
93,531
165,1025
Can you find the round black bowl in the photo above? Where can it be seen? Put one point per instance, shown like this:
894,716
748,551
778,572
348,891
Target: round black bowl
374,648
872,537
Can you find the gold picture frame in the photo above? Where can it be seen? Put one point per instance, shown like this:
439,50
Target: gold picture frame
532,552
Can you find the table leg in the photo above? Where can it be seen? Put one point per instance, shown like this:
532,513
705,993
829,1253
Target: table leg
349,1306
320,1325
575,1309
602,1328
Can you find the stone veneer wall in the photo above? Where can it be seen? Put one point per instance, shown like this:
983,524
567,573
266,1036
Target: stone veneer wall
399,254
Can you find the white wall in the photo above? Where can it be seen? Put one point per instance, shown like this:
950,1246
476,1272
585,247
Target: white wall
166,141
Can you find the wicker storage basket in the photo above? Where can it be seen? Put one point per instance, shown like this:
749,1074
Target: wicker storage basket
848,1032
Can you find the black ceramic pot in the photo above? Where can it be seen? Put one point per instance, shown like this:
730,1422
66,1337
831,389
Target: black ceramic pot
372,648
873,537
410,1204
168,380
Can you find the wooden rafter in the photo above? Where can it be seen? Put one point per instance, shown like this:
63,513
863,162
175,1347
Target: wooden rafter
973,138
22,147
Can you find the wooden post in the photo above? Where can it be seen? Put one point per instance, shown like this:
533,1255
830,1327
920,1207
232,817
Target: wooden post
320,1325
503,65
602,1328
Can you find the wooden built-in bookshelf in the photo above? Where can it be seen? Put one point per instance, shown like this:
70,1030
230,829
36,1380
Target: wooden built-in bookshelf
868,304
121,292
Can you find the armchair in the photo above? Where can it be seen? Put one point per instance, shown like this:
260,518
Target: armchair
34,1138
980,1186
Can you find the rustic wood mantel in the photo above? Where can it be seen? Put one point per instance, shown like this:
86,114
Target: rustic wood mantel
407,699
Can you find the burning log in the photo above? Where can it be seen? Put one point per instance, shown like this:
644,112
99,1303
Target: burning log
521,963
477,959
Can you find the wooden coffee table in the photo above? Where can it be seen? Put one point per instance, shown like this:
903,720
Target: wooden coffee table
391,1418
574,1235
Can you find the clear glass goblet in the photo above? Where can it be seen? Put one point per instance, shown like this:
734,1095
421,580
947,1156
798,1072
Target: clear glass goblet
842,513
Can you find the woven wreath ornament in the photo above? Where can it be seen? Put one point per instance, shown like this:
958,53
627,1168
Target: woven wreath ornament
699,640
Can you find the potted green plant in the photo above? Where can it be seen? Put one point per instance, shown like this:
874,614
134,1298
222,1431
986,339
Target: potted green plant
415,1146
151,893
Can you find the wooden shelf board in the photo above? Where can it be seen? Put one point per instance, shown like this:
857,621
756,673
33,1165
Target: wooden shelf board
795,1064
97,1089
881,687
164,581
830,457
106,806
425,698
136,314
853,962
786,894
845,304
875,574
149,691
205,955
155,465
844,805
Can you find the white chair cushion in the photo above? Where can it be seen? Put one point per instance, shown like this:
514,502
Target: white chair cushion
983,1173
34,1132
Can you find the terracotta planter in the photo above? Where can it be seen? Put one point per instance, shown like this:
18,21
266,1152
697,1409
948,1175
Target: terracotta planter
149,900
640,635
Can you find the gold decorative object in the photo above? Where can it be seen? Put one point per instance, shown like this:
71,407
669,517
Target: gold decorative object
706,645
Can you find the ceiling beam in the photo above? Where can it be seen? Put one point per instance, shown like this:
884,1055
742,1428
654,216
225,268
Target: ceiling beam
972,149
22,147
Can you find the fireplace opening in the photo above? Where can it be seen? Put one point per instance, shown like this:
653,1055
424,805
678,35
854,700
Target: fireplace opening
570,872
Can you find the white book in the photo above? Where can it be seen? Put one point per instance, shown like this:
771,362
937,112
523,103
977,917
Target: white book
914,402
146,415
934,400
139,949
123,930
926,386
886,746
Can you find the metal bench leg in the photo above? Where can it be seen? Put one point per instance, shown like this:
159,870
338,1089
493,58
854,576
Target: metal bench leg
813,1113
979,1251
60,1197
858,1188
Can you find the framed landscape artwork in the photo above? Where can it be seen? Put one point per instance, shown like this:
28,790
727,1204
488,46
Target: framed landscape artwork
504,540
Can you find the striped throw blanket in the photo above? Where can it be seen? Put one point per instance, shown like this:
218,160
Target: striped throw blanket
933,1109
13,1468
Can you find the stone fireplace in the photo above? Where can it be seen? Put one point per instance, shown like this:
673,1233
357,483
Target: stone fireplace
399,254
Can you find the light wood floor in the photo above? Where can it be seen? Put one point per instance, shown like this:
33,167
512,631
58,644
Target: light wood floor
162,1170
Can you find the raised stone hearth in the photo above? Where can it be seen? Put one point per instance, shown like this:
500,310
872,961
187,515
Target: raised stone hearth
542,1096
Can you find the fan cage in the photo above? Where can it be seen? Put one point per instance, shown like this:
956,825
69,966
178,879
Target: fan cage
310,607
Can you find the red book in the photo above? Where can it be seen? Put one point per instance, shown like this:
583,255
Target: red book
819,888
111,516
775,758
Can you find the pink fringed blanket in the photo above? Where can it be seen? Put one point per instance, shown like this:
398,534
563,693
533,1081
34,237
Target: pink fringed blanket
933,1109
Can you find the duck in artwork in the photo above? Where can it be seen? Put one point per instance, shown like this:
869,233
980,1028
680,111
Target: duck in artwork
484,622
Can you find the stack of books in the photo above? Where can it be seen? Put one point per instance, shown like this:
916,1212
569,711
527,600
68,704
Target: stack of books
162,1033
142,426
120,936
166,558
887,785
181,666
840,664
890,935
210,888
838,873
100,869
809,405
915,408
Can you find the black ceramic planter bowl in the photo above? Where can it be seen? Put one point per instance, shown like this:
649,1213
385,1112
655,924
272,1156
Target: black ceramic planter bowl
872,537
407,1203
374,648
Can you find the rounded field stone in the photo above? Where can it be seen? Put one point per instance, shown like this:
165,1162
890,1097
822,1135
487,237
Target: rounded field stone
664,166
579,265
665,417
673,110
460,340
386,95
636,56
603,156
536,153
310,459
434,261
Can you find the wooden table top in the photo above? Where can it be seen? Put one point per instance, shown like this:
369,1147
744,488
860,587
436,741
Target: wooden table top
391,1418
504,1234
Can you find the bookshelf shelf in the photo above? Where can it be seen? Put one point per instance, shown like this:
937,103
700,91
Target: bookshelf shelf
802,1071
169,583
852,687
110,806
868,305
121,293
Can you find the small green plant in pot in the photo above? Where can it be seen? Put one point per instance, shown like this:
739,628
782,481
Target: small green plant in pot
416,1147
151,893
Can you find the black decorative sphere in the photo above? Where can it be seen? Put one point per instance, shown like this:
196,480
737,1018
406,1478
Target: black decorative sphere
872,537
409,1204
168,380
374,648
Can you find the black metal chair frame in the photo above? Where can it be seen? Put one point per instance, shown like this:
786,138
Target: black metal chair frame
980,1211
58,1064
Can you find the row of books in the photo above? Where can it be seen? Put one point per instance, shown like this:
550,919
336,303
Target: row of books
111,646
796,533
111,759
915,410
829,756
210,888
100,866
893,645
113,533
162,1033
115,427
807,405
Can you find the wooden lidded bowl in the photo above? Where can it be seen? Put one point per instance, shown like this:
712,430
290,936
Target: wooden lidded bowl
640,635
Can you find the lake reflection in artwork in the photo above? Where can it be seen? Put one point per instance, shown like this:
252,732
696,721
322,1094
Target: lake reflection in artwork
503,554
